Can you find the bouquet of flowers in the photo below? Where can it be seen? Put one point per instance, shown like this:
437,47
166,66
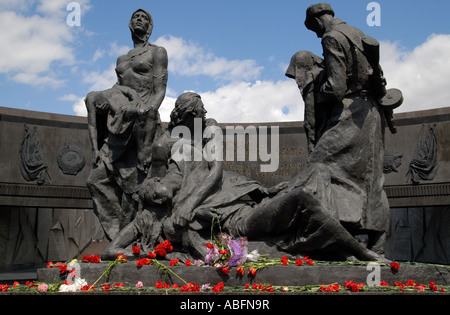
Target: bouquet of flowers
229,251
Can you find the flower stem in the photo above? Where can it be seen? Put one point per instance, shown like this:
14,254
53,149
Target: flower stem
164,267
107,271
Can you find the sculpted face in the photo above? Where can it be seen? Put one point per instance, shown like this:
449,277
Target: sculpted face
200,111
140,22
317,27
304,67
155,192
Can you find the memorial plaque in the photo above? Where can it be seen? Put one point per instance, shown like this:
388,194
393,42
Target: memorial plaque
292,153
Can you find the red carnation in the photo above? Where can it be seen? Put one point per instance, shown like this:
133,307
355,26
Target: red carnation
225,270
160,251
395,266
161,285
121,258
136,250
163,248
95,259
63,268
299,262
351,285
219,287
167,246
143,261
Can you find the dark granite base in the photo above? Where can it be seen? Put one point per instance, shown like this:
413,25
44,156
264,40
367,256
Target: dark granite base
128,273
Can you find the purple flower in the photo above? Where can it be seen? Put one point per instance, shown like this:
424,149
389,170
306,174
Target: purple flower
239,251
237,248
212,255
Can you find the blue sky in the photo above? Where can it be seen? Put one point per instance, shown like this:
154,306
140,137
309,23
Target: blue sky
233,53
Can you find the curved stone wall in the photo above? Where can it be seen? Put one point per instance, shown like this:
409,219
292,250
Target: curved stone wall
47,215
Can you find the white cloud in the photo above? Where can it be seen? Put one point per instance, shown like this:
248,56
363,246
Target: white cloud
59,7
69,97
100,81
188,58
99,53
38,80
15,4
240,100
422,74
78,106
166,108
115,50
260,101
32,44
52,7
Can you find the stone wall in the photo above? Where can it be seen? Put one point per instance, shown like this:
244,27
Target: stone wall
46,211
45,215
420,234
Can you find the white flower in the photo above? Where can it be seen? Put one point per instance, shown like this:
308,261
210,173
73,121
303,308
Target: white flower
253,256
79,283
76,286
67,288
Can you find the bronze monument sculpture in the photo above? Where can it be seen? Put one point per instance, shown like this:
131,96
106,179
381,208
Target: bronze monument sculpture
123,121
144,195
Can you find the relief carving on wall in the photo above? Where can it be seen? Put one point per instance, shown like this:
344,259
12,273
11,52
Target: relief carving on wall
32,163
71,160
423,165
392,161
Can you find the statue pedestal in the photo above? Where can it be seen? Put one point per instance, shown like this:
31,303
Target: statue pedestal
129,274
